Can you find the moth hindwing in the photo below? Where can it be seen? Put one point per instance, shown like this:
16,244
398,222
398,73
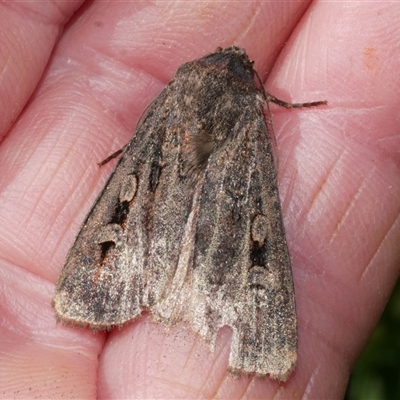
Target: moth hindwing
189,225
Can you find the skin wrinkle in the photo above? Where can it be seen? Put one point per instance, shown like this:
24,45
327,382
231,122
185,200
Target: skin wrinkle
197,340
207,379
5,65
109,64
65,205
248,25
306,39
322,185
362,276
310,382
40,170
323,337
225,378
106,71
71,222
39,17
349,207
28,160
247,388
214,394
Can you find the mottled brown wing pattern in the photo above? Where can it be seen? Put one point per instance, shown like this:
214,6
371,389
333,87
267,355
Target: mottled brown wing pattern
189,225
242,274
106,279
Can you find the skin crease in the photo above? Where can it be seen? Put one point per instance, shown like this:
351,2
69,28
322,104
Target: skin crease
72,94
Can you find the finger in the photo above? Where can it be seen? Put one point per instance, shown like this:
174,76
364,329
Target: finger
29,33
340,182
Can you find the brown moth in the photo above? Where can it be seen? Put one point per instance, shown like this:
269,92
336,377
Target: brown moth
189,225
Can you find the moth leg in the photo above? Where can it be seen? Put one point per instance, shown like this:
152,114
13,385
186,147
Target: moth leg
112,156
288,105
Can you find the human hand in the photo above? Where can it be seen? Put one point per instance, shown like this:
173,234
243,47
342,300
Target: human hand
338,174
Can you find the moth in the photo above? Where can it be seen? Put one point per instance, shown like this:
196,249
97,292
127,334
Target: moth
189,225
